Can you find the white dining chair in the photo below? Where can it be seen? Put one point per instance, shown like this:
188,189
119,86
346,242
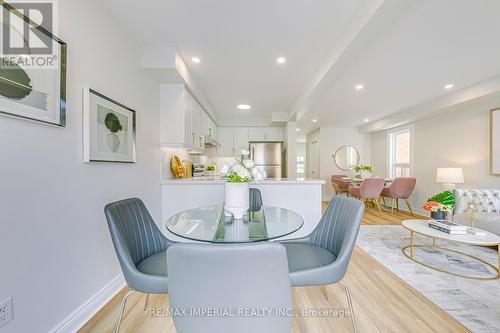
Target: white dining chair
235,281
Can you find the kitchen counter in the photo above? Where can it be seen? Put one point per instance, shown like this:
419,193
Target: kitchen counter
217,180
302,196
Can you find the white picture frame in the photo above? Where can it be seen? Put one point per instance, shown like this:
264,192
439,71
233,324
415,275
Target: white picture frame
109,129
495,141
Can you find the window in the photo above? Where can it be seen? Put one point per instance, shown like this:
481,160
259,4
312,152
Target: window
400,152
300,165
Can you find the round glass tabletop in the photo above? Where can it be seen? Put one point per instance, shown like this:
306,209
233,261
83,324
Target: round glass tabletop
209,224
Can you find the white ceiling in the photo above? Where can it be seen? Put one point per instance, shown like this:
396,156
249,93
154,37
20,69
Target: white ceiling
238,43
403,51
409,59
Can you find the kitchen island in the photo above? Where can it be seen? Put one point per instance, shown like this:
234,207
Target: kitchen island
302,196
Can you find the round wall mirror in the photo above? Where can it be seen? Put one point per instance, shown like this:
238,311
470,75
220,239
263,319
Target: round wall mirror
346,158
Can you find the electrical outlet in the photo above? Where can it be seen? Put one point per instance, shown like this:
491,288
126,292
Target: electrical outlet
5,311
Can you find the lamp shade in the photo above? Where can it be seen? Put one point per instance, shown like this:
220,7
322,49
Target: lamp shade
450,175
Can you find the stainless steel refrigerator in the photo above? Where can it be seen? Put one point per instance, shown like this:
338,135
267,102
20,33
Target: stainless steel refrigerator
268,157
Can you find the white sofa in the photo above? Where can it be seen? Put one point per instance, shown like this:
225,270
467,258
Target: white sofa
487,203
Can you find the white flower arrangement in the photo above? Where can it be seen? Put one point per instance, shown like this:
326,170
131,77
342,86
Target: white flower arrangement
243,172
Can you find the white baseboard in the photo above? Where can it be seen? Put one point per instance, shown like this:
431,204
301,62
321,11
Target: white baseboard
80,316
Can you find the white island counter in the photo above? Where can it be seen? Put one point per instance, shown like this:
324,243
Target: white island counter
302,196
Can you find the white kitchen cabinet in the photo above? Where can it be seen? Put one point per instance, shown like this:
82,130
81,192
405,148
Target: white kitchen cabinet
274,133
257,134
182,118
232,140
187,110
240,139
225,137
263,134
210,127
195,123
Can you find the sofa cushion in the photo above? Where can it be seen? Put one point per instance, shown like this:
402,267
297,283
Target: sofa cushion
306,256
155,264
487,204
487,200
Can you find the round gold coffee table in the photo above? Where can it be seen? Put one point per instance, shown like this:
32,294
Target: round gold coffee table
421,227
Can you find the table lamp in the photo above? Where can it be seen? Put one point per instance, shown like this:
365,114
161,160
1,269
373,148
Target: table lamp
449,177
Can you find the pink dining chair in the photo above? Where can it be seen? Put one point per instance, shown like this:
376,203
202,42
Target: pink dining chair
401,188
339,185
369,189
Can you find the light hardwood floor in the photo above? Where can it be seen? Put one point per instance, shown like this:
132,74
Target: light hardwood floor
382,302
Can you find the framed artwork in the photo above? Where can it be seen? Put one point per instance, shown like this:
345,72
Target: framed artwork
108,129
32,82
495,141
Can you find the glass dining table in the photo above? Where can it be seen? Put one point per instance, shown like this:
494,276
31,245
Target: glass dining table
209,224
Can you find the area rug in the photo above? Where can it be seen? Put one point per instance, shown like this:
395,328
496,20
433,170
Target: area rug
473,303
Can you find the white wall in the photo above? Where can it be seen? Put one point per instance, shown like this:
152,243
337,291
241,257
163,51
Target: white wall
57,252
290,132
331,139
312,154
457,136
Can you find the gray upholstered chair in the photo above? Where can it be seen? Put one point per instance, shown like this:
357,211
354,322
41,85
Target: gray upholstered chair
255,200
140,247
322,257
230,277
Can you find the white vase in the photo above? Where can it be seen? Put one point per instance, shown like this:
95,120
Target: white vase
366,174
236,199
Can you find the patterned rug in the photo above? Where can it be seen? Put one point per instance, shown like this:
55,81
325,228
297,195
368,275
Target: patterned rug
473,303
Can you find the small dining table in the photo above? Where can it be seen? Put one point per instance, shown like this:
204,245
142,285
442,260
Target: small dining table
357,181
210,224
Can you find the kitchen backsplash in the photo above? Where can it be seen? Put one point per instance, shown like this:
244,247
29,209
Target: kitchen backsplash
167,153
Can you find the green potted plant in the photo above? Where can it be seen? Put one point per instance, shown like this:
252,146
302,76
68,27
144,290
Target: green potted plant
364,170
440,204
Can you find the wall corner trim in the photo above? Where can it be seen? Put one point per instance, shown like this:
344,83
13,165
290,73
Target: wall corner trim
87,310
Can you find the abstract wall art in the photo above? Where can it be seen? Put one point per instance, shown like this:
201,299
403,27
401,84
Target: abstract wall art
32,79
108,129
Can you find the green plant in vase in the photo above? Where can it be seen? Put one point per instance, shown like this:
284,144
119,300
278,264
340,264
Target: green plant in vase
364,170
440,204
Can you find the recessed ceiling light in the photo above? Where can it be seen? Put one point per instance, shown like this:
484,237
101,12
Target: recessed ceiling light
359,87
448,86
196,60
367,120
244,107
297,129
281,60
315,120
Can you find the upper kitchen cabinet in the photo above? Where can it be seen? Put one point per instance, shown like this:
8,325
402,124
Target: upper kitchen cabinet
183,122
274,133
240,139
262,134
232,140
257,134
225,136
210,129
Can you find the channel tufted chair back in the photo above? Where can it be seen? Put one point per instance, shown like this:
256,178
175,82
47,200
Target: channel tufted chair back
138,243
255,200
339,226
133,229
140,247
